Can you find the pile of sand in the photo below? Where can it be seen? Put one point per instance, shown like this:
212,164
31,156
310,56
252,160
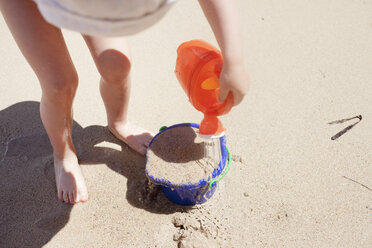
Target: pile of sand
177,155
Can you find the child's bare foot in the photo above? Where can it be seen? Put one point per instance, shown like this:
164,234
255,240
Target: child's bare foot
69,179
135,137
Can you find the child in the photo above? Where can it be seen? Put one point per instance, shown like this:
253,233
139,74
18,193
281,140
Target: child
35,26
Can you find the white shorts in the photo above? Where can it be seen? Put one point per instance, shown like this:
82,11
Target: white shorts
104,17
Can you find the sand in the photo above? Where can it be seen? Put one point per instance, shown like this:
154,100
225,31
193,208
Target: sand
289,184
177,155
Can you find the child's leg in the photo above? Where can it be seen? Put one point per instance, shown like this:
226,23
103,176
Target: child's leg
111,56
45,50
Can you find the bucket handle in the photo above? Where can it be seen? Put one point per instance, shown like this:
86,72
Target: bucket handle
162,128
227,168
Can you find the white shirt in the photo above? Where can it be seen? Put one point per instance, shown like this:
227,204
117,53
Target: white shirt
104,17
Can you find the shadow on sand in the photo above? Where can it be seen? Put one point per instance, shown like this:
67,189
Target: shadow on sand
30,213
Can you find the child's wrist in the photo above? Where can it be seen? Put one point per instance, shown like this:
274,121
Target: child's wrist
232,58
232,62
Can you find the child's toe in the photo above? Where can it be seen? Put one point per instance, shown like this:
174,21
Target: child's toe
65,197
71,197
60,195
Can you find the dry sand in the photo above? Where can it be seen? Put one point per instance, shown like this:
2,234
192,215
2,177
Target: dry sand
289,185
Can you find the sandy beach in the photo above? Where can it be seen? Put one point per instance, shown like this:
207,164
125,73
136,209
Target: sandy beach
289,185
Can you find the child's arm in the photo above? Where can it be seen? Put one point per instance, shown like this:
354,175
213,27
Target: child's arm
222,16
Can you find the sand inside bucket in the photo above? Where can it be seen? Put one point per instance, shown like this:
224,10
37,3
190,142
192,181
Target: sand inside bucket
177,155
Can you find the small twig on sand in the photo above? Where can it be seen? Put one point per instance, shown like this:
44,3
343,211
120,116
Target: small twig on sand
343,120
357,183
343,131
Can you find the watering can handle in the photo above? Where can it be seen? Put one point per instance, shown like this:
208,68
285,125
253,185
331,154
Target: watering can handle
227,168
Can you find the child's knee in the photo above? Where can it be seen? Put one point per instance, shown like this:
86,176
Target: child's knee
113,66
60,84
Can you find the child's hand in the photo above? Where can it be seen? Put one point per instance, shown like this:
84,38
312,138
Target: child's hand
234,79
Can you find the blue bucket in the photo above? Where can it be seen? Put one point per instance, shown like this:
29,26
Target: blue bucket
193,193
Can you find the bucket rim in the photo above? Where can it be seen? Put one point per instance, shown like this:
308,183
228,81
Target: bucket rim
203,182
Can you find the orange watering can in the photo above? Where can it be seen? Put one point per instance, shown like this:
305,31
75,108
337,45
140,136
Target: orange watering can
198,68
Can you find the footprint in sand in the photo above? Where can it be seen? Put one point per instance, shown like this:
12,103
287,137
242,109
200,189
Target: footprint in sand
201,227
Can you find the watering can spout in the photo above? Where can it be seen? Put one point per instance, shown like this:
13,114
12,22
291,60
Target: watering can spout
211,125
